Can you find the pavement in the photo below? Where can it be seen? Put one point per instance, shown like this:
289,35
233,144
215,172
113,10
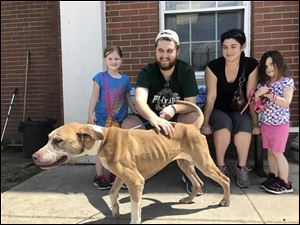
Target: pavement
66,195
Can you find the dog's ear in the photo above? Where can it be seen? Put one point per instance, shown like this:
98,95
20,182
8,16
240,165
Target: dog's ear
87,133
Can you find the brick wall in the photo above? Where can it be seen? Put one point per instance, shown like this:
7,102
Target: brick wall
34,26
275,26
133,25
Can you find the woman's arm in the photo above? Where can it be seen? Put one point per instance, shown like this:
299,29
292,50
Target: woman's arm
211,89
251,85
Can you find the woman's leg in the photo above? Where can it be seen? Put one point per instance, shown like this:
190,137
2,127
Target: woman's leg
221,141
242,129
242,141
222,126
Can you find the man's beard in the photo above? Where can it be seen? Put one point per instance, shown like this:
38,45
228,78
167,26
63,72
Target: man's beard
165,67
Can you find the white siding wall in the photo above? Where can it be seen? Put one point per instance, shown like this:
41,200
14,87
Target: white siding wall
83,40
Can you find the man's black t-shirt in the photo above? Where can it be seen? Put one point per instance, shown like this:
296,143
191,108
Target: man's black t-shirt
162,93
225,89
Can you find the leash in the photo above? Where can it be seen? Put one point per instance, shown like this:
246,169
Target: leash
250,100
138,126
260,105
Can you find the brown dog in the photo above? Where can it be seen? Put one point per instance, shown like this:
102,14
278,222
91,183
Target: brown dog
135,155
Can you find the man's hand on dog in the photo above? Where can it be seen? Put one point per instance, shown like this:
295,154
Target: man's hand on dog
161,123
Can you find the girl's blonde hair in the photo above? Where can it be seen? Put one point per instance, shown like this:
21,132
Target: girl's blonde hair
110,48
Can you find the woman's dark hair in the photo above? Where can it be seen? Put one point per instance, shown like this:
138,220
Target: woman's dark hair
110,48
236,34
278,62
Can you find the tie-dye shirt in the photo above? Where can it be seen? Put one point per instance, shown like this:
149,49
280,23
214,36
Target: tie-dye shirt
275,114
118,87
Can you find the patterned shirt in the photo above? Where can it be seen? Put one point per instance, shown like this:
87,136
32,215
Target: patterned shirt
117,87
275,114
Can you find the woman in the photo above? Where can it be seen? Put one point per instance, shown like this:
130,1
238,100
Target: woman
222,80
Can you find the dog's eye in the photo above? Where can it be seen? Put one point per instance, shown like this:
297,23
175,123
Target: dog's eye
56,141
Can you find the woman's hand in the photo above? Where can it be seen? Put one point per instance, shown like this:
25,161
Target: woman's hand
206,129
256,130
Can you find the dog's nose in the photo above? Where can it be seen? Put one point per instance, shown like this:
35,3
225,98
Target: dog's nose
34,156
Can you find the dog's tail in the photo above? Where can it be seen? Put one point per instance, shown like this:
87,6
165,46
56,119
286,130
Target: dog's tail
200,118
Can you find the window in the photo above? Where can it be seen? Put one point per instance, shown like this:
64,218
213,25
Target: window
200,24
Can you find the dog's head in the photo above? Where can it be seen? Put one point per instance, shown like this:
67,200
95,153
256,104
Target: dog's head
71,139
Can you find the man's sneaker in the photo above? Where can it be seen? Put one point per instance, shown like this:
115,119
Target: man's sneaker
242,179
279,186
189,186
101,182
270,179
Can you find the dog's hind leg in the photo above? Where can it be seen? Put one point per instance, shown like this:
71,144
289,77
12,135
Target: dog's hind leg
212,171
114,195
189,170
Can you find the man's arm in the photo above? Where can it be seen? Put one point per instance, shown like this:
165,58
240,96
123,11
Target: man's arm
141,96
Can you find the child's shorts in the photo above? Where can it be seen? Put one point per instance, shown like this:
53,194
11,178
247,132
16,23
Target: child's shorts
274,137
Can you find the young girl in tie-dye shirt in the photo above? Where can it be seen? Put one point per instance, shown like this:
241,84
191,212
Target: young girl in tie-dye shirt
118,87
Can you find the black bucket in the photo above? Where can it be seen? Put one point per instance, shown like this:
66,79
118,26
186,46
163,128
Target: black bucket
35,134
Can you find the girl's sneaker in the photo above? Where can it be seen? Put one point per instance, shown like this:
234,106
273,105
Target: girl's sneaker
270,179
101,182
279,186
112,178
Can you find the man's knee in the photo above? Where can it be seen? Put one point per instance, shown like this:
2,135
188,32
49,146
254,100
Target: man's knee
188,118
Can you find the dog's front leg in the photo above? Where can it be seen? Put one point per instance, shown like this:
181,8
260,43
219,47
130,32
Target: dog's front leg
135,189
114,195
136,200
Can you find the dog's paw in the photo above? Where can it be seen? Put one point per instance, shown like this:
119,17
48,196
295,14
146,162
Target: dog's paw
186,200
115,211
224,203
138,221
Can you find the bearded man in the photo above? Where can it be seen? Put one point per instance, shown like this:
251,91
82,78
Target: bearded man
159,85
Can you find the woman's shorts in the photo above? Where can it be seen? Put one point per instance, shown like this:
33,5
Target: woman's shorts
274,137
233,121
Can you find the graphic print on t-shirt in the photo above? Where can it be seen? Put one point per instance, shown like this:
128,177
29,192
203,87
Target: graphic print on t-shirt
164,98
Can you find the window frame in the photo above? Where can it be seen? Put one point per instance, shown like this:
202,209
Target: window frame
246,6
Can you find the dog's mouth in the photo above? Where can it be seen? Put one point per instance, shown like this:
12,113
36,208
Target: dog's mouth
55,164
